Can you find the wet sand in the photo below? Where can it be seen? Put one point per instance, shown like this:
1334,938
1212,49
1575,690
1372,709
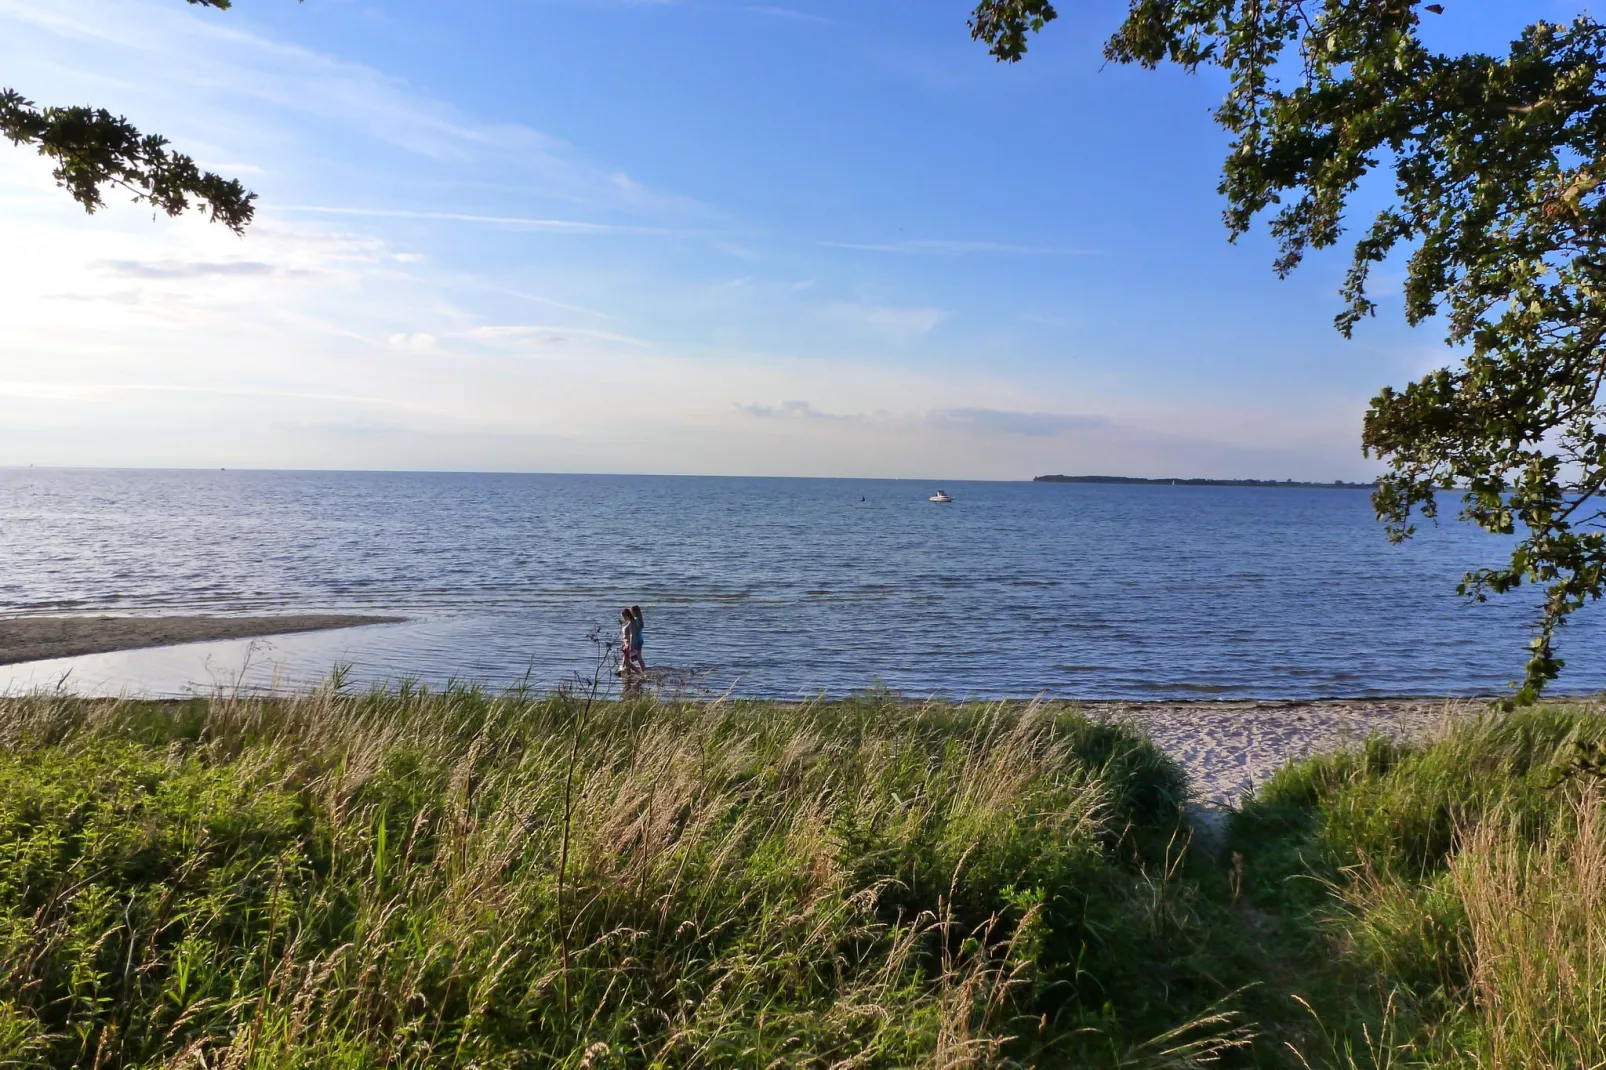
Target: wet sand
37,638
1229,748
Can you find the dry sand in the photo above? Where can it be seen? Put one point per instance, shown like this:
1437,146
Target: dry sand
37,638
1229,748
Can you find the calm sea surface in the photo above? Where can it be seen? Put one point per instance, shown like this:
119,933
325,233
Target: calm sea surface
769,586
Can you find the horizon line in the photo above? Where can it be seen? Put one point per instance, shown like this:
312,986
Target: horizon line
1087,480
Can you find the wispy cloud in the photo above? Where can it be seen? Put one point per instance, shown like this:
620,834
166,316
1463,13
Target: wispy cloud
222,64
947,247
131,298
888,321
421,342
187,269
564,305
789,13
69,391
541,334
791,410
993,422
1005,422
564,226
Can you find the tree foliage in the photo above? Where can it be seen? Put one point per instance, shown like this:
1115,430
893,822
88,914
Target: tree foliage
1498,210
94,151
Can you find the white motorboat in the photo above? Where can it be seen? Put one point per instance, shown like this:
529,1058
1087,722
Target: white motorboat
940,496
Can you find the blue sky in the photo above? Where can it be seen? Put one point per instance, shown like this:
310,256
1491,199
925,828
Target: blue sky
818,238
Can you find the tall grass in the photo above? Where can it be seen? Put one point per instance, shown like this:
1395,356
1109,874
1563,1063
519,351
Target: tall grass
461,879
1536,928
1469,873
374,880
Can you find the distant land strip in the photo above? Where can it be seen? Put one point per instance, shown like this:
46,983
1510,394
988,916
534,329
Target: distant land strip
1337,484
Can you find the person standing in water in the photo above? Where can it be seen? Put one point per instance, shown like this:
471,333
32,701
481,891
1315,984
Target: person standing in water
627,635
635,638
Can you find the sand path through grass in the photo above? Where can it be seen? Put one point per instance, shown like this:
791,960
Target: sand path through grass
1228,748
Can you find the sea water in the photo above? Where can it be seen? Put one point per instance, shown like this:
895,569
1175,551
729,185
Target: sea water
775,587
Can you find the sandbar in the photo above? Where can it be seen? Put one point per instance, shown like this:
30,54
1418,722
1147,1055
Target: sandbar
38,638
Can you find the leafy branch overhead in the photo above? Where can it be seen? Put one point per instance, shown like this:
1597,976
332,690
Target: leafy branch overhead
1497,164
94,151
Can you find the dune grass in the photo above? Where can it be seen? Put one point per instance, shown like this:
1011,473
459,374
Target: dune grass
462,879
403,879
1457,889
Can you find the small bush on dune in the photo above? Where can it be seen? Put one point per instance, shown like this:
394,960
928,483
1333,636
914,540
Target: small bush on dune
457,879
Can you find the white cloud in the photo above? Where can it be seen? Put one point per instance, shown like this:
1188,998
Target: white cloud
548,335
790,410
180,269
887,321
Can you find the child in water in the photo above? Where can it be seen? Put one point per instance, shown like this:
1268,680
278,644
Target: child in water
635,638
627,635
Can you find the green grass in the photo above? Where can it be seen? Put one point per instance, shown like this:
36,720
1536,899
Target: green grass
390,879
462,879
1449,898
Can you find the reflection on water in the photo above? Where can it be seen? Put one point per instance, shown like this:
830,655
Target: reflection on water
766,586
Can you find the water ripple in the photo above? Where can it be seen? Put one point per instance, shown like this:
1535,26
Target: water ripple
781,587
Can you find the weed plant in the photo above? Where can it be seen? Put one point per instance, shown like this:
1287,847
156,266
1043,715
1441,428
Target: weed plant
402,878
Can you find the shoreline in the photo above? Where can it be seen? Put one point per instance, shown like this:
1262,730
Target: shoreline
24,639
1227,746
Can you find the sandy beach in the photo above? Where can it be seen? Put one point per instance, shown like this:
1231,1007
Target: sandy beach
38,638
1228,748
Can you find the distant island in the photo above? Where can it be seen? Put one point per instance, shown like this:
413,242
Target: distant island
1337,484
